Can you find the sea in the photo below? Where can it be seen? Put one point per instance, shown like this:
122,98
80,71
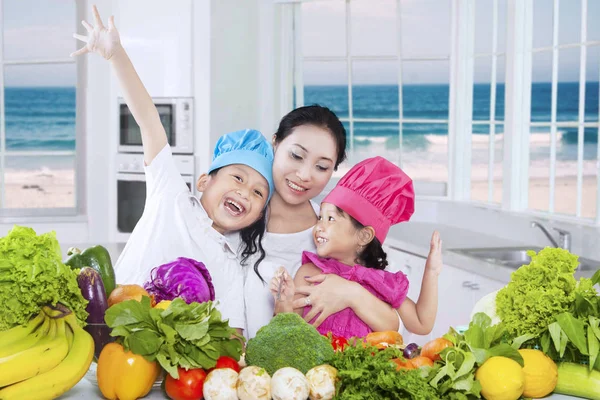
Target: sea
44,119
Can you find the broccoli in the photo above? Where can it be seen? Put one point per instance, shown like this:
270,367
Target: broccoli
288,341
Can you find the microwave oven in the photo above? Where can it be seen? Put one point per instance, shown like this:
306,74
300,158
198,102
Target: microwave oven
177,117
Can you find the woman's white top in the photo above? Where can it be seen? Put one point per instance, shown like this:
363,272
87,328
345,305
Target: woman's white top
282,249
173,225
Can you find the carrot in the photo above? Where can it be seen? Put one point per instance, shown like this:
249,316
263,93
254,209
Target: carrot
384,339
421,361
432,349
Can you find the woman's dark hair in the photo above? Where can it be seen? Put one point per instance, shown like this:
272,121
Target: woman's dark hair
251,238
372,256
318,116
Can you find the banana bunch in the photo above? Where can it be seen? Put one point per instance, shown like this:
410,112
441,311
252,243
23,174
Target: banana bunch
45,358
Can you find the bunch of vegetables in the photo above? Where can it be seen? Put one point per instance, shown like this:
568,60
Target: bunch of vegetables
182,335
32,275
545,307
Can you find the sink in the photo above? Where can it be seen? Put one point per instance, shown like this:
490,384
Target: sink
514,257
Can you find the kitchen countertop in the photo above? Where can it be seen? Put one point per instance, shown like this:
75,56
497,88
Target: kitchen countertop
85,390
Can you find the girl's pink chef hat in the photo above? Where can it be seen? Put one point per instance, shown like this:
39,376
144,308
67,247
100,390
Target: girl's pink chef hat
376,193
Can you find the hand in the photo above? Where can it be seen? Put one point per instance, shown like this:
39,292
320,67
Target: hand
434,259
105,42
282,286
331,294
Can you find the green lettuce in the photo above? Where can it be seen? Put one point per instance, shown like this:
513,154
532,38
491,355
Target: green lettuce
538,292
32,275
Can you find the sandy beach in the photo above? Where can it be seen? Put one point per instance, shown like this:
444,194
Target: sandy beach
43,188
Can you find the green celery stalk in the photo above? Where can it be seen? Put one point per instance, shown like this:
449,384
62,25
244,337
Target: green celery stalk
578,380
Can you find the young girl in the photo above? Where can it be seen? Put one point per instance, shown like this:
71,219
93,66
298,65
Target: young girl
353,222
175,223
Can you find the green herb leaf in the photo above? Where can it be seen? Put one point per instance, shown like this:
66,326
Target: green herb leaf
505,350
596,278
518,342
574,329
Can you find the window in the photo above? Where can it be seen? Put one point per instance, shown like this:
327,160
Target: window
383,67
563,153
39,112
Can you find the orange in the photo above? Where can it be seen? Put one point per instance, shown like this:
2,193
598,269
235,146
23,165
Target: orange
126,292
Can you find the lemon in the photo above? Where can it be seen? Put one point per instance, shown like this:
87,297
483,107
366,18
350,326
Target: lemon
163,305
541,373
501,379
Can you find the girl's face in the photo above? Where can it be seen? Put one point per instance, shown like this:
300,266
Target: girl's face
234,198
335,236
303,163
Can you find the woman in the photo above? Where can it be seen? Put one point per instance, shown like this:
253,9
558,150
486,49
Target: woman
309,145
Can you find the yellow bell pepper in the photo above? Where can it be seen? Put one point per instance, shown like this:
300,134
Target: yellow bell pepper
124,375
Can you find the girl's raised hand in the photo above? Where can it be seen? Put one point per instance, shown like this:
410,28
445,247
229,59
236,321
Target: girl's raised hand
101,40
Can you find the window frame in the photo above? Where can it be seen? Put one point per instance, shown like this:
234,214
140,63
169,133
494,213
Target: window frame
517,100
31,215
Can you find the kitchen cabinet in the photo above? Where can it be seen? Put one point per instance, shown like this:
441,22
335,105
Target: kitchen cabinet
458,291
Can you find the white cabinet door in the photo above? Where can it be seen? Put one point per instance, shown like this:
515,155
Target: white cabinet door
159,43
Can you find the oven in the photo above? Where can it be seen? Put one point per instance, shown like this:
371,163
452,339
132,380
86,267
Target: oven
176,115
131,187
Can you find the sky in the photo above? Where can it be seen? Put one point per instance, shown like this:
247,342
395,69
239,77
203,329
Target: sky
37,29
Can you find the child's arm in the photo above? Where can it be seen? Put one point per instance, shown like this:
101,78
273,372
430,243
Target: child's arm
419,318
333,293
107,43
282,288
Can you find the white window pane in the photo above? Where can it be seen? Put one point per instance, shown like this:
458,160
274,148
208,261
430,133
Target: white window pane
569,24
482,89
39,29
374,27
425,152
484,14
375,89
425,89
541,86
40,116
324,28
326,84
567,107
480,158
39,182
425,28
375,139
591,89
542,23
592,20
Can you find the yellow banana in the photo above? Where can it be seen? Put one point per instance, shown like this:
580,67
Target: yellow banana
63,377
42,357
17,333
28,341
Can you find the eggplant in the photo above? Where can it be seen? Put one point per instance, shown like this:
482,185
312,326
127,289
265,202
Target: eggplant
92,288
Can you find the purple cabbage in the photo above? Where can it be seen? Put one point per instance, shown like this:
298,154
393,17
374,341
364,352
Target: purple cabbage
185,278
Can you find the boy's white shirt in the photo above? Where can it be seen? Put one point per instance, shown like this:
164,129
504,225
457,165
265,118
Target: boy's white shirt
174,224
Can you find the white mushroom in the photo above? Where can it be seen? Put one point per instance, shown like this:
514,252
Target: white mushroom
289,384
254,383
321,380
220,384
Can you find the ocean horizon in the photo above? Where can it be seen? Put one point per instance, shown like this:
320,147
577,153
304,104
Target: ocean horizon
43,118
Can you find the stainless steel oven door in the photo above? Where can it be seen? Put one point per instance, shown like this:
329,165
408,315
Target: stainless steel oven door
131,199
130,136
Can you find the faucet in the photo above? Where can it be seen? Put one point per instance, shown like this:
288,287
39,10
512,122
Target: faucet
564,237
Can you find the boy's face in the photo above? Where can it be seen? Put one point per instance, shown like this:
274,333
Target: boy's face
234,198
335,236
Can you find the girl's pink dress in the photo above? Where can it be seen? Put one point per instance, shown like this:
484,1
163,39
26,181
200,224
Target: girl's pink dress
389,287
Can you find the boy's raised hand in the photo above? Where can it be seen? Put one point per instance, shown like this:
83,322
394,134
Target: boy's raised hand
101,40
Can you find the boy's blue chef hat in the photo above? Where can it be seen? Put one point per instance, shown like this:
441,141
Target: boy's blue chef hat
248,147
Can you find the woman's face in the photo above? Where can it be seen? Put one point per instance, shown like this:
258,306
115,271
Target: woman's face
303,163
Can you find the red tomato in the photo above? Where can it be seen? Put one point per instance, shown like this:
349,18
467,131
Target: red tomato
227,362
189,385
338,342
